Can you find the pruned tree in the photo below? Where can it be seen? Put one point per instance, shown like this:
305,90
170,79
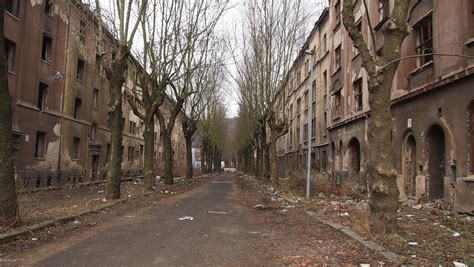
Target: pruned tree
8,196
274,35
204,83
381,70
196,22
125,17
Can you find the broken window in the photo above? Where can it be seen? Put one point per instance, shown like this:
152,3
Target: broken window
10,50
76,144
355,50
80,69
13,7
337,53
424,40
42,96
82,31
95,98
77,108
48,7
40,144
358,95
47,48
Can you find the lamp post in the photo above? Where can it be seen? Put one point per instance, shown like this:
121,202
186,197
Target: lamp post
310,122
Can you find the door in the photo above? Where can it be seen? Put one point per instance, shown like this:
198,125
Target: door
95,167
436,162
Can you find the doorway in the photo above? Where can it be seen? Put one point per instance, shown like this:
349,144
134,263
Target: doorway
436,161
95,167
354,158
409,165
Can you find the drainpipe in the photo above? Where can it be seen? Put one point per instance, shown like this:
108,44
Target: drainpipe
310,123
63,92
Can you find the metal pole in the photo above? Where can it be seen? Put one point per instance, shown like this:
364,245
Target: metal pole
310,124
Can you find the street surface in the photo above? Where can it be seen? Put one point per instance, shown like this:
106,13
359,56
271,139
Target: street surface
213,224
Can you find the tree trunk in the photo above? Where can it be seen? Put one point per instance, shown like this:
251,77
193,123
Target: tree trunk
274,163
8,197
149,136
258,163
115,75
189,157
266,162
168,157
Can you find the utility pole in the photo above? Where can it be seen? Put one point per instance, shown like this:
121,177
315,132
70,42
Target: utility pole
310,122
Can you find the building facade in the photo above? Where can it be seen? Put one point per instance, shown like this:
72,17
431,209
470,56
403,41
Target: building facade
432,100
60,98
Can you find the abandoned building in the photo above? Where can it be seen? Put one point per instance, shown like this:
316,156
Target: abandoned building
60,98
432,101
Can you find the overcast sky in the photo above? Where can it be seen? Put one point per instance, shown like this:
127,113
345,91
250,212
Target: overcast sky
231,27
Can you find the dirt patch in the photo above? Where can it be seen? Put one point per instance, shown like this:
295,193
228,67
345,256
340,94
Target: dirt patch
292,237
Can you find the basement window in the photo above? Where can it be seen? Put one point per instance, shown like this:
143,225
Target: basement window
40,144
42,96
10,50
47,48
76,144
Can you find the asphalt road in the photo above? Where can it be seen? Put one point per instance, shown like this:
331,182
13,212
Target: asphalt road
220,234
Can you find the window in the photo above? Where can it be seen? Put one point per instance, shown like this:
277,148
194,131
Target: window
424,40
40,144
93,132
10,50
131,152
48,7
47,48
324,41
42,96
77,108
384,9
337,58
313,99
325,80
337,104
76,144
95,98
306,67
80,69
13,7
355,50
337,12
82,31
358,95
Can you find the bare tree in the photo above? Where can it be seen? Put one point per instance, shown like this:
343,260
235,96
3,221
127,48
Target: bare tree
8,196
383,202
127,18
274,33
205,83
196,21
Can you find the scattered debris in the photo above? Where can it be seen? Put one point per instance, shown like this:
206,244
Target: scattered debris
100,191
34,239
459,264
413,243
345,214
76,222
186,218
261,207
454,233
418,207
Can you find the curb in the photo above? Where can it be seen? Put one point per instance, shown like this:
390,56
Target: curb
61,220
350,233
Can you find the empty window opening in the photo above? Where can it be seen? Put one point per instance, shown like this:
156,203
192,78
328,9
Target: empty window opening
10,50
42,96
80,69
76,143
47,48
77,108
40,144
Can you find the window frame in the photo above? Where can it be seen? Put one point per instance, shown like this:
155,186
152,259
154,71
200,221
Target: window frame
42,96
10,53
422,42
41,151
47,48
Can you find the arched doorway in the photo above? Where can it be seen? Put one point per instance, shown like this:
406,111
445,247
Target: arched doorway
409,165
471,132
354,158
339,156
436,161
